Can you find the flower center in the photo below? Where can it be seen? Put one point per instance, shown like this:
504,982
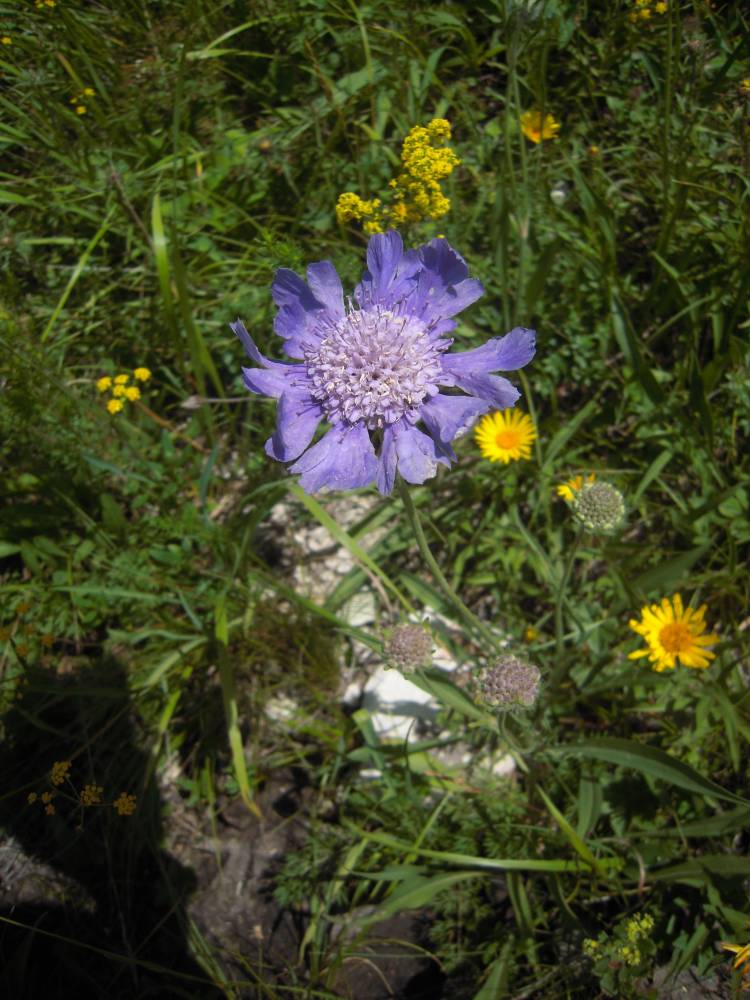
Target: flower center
508,440
676,638
375,367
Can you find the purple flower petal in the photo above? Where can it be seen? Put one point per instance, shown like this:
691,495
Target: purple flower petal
408,452
442,287
302,317
390,272
506,354
296,422
495,389
325,285
447,417
274,377
343,459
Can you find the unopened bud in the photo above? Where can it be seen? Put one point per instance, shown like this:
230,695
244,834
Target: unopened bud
509,683
599,507
408,647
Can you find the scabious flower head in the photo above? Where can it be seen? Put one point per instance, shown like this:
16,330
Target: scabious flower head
674,632
537,127
142,374
121,379
374,370
599,507
114,406
509,683
103,383
408,647
505,436
132,392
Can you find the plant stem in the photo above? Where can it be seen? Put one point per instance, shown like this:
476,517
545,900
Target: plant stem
558,674
475,623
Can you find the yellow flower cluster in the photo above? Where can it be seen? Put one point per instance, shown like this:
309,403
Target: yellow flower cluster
6,40
91,795
643,10
426,160
77,99
60,772
121,391
40,4
125,804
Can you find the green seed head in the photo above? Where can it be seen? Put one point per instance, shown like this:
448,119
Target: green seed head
510,683
599,507
408,647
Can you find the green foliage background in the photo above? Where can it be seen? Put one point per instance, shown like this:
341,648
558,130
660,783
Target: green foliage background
212,152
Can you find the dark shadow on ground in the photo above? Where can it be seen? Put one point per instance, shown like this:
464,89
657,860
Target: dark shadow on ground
90,906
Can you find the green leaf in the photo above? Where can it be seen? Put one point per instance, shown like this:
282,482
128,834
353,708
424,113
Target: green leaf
575,841
648,760
701,869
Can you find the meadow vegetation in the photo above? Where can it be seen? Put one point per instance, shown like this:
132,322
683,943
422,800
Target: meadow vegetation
160,161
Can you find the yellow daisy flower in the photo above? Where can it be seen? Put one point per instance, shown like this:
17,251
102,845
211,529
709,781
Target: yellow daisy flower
118,390
742,958
121,379
103,383
142,374
132,392
673,632
537,128
505,435
114,406
567,489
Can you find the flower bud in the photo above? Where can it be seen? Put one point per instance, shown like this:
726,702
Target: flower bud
510,683
599,507
408,647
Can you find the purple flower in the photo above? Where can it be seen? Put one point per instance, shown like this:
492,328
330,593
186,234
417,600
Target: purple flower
377,369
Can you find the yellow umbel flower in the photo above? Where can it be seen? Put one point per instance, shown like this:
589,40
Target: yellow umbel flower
538,128
568,489
673,632
91,795
103,383
60,771
114,406
505,436
125,805
142,374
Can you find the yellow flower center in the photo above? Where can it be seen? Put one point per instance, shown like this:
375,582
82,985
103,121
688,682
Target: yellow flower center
676,638
508,439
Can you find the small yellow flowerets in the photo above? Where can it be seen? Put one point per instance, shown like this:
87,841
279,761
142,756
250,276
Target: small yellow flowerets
121,391
125,804
426,161
642,11
60,772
